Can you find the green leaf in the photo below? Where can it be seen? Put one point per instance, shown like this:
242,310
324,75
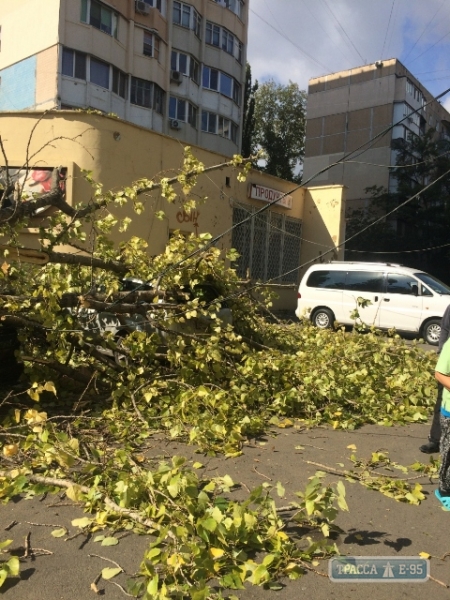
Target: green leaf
152,587
57,533
5,543
280,489
3,575
14,566
110,541
83,522
209,524
110,572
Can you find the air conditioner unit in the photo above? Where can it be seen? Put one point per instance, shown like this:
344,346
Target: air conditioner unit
174,124
142,7
176,76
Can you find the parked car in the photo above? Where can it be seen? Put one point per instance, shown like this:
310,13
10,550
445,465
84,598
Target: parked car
121,325
406,299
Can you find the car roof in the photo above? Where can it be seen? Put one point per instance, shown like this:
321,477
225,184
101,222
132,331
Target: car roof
361,265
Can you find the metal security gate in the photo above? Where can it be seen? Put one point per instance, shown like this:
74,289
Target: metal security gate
268,244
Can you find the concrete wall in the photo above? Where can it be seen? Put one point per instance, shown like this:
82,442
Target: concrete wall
347,111
28,27
118,153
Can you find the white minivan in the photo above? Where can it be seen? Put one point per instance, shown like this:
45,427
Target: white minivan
408,299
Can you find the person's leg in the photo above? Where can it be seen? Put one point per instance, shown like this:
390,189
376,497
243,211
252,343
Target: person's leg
435,432
444,471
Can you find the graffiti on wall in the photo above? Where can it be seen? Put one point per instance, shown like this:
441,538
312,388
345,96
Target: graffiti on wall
31,182
189,217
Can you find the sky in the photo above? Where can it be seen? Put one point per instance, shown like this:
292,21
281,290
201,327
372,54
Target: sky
300,39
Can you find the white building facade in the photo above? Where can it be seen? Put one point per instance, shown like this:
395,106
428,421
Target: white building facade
173,67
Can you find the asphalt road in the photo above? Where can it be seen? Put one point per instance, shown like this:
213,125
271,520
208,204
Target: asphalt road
375,524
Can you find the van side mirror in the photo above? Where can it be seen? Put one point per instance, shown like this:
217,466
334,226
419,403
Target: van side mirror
415,289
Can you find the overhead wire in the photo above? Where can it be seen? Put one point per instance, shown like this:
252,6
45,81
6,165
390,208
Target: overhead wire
332,250
387,28
306,4
343,30
358,151
391,35
401,251
430,47
285,37
423,31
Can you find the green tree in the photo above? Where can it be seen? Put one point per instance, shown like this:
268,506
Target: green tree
280,127
422,223
248,127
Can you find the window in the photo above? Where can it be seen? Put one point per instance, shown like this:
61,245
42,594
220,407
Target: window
226,85
185,15
401,284
212,123
414,91
179,62
155,4
186,65
182,111
234,132
331,280
120,83
227,41
177,109
74,64
210,78
99,16
221,82
147,94
236,93
222,38
233,5
151,45
158,99
194,70
212,34
192,115
209,122
99,73
435,284
365,281
141,92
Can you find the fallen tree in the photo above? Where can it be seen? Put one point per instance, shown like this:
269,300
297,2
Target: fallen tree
185,373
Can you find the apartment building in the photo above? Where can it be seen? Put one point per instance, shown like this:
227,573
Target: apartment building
346,110
174,67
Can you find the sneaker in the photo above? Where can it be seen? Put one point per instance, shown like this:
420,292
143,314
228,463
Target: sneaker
430,448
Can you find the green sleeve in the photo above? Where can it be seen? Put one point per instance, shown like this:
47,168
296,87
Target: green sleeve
443,364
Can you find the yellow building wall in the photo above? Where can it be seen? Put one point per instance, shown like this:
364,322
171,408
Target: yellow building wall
118,153
323,225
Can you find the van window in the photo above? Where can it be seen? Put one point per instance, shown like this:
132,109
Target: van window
401,284
334,280
436,285
365,281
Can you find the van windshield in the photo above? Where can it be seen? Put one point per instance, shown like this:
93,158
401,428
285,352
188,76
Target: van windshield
437,286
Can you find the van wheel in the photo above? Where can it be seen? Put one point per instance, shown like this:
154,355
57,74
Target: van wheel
431,331
323,318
